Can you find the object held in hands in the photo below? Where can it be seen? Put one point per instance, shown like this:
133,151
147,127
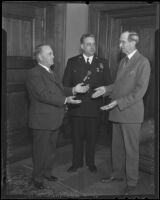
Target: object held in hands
86,77
80,88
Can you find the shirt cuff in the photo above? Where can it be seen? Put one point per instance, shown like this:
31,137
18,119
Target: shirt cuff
65,101
73,92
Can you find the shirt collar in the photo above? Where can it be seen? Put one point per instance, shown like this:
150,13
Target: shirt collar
46,68
131,54
90,58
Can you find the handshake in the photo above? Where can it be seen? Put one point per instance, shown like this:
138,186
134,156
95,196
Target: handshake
79,88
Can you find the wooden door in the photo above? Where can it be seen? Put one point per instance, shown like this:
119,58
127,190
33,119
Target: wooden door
142,21
146,28
24,27
27,25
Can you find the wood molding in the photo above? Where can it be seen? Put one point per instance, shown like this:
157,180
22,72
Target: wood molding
98,11
20,62
16,87
12,8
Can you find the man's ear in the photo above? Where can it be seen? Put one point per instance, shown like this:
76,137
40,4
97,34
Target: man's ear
40,57
133,43
82,47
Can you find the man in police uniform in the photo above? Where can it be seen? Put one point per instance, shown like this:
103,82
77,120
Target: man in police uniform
85,117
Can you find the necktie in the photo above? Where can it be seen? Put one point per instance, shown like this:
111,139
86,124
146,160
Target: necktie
126,59
51,72
88,61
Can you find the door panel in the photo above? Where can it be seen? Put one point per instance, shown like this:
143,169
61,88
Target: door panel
109,45
21,28
144,21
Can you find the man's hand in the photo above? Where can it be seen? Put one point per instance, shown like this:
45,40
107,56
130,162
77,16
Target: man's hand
80,88
99,92
109,106
71,100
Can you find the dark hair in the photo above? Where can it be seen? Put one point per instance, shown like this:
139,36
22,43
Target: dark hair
133,36
84,36
39,49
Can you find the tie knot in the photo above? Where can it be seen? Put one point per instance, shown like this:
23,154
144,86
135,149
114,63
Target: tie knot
87,60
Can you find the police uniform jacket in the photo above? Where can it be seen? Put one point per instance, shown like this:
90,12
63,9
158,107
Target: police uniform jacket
95,74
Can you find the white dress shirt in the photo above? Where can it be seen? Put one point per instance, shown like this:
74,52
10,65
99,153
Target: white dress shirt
46,68
86,58
131,54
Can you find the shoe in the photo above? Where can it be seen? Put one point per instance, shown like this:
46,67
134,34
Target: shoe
73,169
92,168
52,178
110,179
129,190
38,185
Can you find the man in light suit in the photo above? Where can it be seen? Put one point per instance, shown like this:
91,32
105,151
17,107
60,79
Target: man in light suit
46,112
127,110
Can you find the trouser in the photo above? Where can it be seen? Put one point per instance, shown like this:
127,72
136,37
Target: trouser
125,151
44,147
84,129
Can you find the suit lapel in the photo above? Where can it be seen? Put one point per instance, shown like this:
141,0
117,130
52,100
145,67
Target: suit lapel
129,65
52,76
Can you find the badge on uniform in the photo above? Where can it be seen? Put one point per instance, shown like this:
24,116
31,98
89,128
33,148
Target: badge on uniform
100,68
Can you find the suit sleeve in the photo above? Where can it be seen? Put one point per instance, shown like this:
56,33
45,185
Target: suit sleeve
67,77
107,82
107,74
36,86
140,88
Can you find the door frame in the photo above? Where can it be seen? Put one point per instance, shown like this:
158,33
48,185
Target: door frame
97,12
102,15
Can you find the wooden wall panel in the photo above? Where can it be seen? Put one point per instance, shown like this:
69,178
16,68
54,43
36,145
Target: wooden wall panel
55,34
93,23
20,62
17,110
16,75
27,25
19,37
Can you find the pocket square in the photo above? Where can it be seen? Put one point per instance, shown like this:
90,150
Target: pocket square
132,72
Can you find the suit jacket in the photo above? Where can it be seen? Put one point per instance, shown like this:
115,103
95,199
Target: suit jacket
47,97
97,74
129,88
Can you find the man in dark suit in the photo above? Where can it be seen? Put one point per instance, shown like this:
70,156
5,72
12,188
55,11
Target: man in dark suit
127,110
85,117
46,112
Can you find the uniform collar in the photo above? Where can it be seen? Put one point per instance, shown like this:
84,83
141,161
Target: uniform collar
90,58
